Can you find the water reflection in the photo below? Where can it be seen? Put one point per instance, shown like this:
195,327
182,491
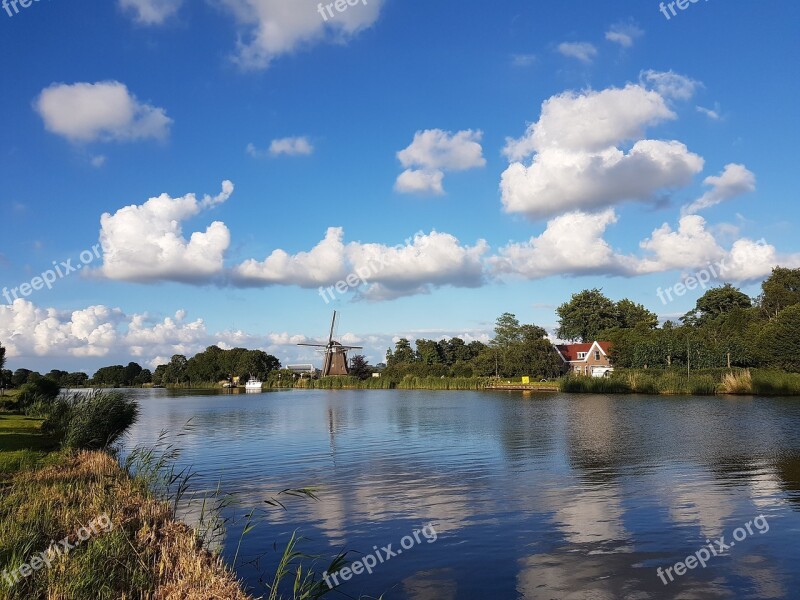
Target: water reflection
538,496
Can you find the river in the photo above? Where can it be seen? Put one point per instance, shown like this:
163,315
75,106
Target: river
512,495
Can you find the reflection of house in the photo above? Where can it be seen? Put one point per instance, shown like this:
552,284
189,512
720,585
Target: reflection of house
586,359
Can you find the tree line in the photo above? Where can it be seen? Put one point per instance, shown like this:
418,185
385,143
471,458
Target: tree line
726,328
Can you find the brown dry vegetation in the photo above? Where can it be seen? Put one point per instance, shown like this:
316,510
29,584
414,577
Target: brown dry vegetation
146,555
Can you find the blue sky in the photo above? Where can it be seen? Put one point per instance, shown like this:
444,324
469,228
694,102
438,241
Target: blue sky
519,153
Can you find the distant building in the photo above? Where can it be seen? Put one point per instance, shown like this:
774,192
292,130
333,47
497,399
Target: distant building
591,360
304,370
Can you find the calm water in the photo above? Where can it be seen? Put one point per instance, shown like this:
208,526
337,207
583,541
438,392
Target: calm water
545,496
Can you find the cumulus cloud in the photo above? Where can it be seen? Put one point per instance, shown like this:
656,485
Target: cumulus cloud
151,12
735,180
420,181
577,164
421,264
572,244
690,245
670,84
103,111
624,34
582,51
145,243
323,264
272,28
434,152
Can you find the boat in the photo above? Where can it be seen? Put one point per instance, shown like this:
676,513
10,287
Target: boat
253,385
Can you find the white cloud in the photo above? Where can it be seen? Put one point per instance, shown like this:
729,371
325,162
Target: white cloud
670,84
321,265
624,34
151,12
421,264
145,243
434,152
714,114
272,28
735,180
572,244
577,164
583,51
690,246
289,146
425,262
104,111
591,121
420,181
98,161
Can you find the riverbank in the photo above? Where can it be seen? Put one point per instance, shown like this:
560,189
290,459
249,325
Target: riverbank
48,495
706,382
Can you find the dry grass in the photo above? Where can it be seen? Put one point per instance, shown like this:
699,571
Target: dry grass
147,554
736,382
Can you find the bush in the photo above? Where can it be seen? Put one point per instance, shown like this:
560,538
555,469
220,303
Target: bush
91,421
43,389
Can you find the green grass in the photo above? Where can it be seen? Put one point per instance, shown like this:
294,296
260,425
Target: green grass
705,382
22,443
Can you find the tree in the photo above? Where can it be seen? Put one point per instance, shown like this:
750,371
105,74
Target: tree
359,367
176,371
586,314
716,302
2,357
631,315
19,377
403,354
781,290
779,340
428,352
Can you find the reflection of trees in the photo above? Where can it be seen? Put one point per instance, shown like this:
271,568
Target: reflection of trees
788,470
527,425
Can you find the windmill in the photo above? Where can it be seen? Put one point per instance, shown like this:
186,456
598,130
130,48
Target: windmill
335,361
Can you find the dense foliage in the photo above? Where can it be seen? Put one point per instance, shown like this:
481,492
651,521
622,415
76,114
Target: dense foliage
725,329
214,365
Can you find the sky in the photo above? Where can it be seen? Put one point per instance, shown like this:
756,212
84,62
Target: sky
182,173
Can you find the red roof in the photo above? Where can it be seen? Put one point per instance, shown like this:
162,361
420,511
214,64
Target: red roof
570,351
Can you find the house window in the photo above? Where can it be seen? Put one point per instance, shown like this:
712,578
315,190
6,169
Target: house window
597,356
581,355
577,369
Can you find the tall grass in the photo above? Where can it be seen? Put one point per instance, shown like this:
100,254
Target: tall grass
90,421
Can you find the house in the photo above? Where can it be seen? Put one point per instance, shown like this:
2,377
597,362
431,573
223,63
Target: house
591,360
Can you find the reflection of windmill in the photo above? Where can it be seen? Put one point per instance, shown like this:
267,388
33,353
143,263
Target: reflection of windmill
335,362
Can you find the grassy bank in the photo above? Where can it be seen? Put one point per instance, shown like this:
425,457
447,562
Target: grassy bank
50,489
144,554
706,382
22,443
383,383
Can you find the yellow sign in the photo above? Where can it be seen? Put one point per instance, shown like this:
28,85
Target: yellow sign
526,380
